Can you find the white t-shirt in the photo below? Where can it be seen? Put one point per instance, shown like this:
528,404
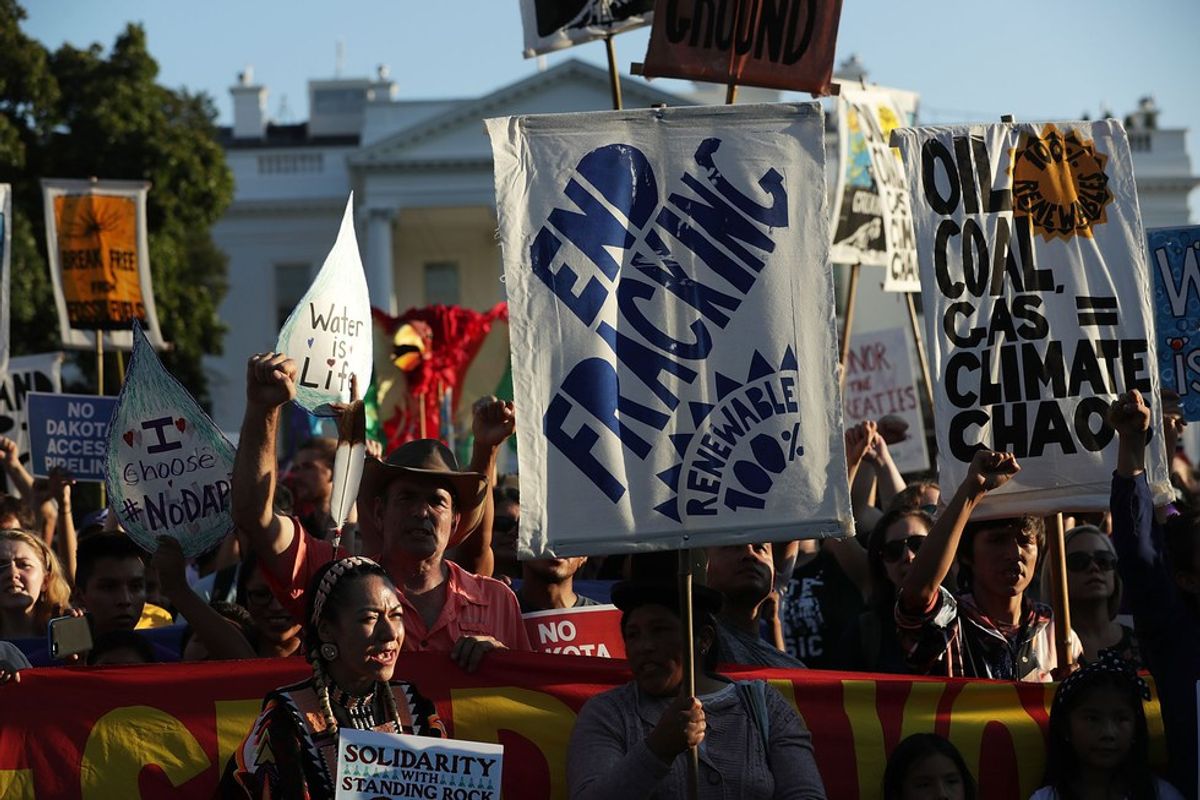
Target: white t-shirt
1164,790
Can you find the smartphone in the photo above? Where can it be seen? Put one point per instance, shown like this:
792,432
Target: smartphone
69,636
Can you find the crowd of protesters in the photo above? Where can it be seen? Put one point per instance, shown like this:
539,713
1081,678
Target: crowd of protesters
429,563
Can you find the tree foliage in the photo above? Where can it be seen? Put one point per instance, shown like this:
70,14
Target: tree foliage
83,113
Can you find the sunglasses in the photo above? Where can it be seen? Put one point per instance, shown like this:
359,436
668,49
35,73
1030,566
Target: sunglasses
1081,562
894,551
504,524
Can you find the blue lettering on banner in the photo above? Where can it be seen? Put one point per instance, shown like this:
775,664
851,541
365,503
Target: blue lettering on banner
629,282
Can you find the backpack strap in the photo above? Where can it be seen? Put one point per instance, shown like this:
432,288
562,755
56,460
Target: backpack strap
754,697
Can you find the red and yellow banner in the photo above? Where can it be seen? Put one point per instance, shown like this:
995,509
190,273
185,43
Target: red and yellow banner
167,730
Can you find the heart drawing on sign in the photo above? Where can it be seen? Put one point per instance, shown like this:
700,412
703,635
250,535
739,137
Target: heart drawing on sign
310,341
181,423
128,437
171,482
331,361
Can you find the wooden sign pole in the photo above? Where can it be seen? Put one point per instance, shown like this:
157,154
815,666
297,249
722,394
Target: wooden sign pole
919,341
1057,562
614,76
848,327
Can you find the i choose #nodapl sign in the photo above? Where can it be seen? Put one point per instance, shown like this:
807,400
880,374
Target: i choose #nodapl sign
672,327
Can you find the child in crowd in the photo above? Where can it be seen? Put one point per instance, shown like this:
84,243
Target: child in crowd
1099,744
927,767
991,629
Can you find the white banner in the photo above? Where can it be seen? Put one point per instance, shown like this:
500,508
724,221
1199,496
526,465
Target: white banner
99,253
673,339
25,374
556,24
6,221
881,382
872,219
1037,303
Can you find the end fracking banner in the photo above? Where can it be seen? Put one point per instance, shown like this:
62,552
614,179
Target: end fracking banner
1037,303
779,44
99,253
672,327
1175,262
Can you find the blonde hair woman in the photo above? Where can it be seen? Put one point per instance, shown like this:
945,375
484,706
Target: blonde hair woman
33,588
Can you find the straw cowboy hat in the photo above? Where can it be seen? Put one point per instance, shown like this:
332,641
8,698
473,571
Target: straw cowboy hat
431,461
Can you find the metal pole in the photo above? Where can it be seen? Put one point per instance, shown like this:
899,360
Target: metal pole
922,357
688,689
614,76
851,293
1058,581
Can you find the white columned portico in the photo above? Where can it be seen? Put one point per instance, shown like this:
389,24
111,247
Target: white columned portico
379,266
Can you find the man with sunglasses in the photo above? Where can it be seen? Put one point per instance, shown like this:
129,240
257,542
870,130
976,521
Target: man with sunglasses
991,629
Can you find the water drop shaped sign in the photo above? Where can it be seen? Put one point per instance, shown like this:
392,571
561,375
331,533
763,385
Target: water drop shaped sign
328,334
169,468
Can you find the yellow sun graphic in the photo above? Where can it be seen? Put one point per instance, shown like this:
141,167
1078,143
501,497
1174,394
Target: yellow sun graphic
1059,183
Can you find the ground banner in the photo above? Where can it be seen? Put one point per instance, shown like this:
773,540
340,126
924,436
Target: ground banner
882,382
556,24
69,431
872,218
1037,303
580,631
779,44
672,327
37,373
5,268
166,731
1175,264
99,254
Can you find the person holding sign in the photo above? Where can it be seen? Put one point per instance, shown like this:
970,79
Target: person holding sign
354,628
628,741
421,504
991,630
1160,568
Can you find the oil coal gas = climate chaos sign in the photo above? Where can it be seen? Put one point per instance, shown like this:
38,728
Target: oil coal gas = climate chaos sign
653,260
1027,235
169,467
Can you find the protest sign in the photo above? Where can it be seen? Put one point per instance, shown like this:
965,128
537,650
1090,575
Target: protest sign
5,268
374,765
1027,236
99,254
881,382
1175,263
328,334
69,431
779,44
129,732
168,466
36,373
555,24
668,283
584,631
873,215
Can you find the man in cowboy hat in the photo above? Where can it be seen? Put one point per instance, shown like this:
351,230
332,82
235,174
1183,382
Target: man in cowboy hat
420,504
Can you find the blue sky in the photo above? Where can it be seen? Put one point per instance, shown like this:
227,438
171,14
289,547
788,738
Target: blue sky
970,60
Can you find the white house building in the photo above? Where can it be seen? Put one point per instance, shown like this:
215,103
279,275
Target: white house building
424,198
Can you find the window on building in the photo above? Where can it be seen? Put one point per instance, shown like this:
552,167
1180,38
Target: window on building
291,282
441,283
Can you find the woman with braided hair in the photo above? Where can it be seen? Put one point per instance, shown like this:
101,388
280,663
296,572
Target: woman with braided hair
354,627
